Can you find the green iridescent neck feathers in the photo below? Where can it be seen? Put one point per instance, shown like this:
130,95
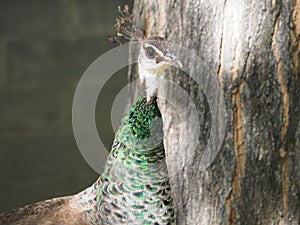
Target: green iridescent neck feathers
142,119
142,127
134,187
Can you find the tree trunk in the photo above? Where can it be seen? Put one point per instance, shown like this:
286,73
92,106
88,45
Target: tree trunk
252,49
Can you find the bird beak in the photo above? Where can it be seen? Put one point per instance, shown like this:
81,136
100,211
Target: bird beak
177,63
169,57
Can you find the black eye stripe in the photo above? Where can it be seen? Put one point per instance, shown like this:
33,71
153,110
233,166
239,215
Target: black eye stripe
150,52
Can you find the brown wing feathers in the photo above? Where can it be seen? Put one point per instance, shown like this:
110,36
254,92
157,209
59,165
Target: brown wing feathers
55,211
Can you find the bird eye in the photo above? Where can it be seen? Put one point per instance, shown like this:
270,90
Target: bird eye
150,52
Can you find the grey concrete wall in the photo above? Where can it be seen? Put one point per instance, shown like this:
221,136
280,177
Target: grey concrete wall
45,46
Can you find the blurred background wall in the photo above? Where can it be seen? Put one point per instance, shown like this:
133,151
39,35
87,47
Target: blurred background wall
45,47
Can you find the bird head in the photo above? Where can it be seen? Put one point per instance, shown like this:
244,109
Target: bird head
155,57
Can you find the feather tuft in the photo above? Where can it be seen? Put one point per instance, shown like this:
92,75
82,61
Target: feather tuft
126,31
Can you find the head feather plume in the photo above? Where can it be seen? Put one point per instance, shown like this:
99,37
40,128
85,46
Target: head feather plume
126,31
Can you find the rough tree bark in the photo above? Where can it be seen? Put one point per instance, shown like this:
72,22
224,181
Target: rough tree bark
252,48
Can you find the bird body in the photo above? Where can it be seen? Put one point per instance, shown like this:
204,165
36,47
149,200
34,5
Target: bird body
133,189
49,212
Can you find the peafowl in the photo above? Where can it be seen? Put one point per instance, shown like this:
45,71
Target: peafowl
134,187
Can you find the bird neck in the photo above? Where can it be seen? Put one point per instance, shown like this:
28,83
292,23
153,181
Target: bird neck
135,172
138,143
148,78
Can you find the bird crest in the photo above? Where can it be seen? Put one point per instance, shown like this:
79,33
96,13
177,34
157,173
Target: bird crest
126,31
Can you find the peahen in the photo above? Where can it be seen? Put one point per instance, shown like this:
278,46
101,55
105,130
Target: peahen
134,188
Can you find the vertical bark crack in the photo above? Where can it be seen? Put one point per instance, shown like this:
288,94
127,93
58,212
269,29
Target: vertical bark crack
285,114
220,68
239,133
231,218
239,169
296,38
